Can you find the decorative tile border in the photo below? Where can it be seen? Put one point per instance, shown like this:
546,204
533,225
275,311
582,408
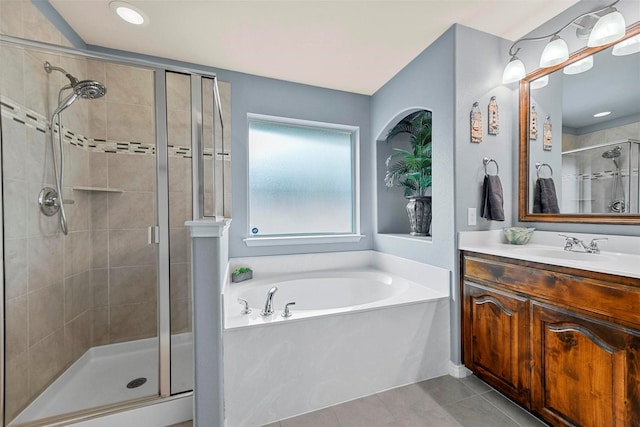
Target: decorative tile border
20,114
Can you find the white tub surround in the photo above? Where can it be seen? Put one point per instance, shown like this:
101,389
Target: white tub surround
210,254
619,255
323,355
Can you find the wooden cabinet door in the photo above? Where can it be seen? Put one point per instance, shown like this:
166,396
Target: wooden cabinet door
496,339
586,372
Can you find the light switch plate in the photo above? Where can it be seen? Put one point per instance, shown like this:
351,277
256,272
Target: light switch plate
471,216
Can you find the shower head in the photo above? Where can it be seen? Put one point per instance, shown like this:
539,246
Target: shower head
87,89
614,153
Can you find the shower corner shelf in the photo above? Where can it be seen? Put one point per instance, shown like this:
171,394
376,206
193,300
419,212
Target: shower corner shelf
99,189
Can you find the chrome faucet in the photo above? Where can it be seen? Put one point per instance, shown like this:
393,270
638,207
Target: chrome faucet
591,248
268,304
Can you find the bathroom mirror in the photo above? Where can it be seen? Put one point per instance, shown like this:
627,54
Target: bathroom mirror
593,161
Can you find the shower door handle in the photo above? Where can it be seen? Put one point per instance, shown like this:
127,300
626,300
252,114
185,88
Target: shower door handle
154,234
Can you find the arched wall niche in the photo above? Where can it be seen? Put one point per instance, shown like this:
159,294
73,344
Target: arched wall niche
390,204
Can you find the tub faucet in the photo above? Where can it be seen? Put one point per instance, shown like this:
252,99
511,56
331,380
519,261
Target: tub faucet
268,304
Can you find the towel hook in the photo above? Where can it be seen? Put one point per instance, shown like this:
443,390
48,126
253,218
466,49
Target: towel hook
486,162
540,166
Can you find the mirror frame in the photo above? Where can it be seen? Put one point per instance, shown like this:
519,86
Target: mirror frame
523,179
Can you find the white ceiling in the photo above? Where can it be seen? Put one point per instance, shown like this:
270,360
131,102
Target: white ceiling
355,45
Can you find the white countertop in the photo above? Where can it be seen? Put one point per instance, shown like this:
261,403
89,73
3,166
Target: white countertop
619,255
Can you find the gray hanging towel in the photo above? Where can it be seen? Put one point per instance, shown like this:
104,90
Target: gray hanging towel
545,199
492,199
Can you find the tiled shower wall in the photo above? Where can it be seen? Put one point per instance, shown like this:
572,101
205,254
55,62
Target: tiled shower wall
48,312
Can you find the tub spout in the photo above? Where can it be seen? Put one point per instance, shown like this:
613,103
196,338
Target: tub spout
268,304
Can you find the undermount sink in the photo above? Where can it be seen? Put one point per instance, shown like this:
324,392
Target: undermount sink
560,253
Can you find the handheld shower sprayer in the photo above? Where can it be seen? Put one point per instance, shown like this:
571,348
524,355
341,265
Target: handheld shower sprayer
87,89
618,202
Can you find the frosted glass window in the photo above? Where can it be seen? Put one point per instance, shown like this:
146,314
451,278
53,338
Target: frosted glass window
301,179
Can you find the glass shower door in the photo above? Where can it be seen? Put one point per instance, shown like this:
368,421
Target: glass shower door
81,307
179,117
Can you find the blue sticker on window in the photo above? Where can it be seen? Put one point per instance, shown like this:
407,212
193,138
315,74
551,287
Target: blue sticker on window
254,230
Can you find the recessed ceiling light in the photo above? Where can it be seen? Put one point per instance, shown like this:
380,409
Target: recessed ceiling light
602,114
129,13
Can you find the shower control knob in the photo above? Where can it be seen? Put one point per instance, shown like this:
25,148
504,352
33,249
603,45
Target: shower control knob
48,201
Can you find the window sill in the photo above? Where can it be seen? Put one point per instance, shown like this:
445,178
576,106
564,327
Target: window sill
426,239
302,240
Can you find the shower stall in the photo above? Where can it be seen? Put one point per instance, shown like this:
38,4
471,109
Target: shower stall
602,178
103,161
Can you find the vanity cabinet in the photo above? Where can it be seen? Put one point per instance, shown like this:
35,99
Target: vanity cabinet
497,339
562,342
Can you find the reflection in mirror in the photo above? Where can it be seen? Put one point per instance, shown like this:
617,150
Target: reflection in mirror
590,110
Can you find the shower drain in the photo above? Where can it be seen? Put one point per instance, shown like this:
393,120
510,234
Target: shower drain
137,382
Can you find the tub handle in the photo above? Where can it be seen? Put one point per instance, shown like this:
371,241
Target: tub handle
287,312
246,309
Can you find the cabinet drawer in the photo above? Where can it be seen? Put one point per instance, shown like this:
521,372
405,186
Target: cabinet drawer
606,296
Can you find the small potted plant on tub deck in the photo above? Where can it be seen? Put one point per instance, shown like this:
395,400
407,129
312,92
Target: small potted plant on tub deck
411,169
241,274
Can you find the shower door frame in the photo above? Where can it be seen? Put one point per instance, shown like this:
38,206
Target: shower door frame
161,230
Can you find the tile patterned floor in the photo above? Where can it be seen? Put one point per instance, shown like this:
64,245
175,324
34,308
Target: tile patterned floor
439,402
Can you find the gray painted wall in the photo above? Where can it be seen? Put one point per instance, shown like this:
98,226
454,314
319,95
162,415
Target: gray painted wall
478,77
426,83
479,64
252,94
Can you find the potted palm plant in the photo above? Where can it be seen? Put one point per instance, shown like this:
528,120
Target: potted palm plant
411,169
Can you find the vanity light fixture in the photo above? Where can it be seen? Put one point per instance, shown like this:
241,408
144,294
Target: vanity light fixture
129,13
607,29
602,114
627,47
578,67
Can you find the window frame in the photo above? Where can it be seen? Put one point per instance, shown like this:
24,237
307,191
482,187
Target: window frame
300,239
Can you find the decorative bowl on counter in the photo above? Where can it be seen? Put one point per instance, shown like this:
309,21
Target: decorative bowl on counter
518,235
